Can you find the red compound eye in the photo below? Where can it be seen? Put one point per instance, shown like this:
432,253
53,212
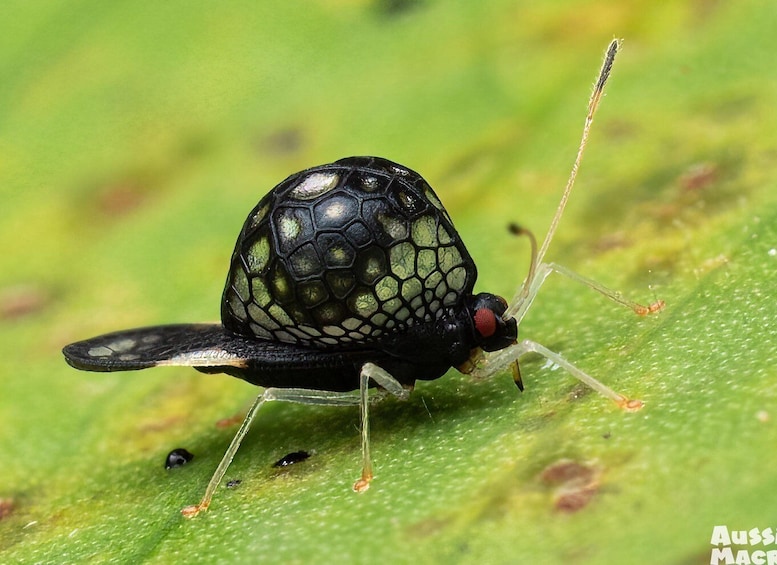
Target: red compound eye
485,322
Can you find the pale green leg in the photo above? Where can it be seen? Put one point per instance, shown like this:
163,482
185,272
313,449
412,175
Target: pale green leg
495,362
390,385
521,303
308,396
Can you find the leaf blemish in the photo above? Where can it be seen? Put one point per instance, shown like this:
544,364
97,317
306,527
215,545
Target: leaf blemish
576,484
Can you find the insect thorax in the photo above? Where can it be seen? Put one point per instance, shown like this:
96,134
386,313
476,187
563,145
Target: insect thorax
344,255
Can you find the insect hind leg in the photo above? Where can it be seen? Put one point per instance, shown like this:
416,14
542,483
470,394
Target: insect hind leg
314,397
498,360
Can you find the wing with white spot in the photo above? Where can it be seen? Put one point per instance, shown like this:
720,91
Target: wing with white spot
190,345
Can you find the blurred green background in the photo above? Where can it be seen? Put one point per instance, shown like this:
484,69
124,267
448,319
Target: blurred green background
134,140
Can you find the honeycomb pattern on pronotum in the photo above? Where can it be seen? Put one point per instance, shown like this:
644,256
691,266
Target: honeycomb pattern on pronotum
344,253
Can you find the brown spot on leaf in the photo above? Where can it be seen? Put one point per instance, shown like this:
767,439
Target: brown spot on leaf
610,241
575,484
566,471
286,141
575,499
120,198
7,506
230,422
699,176
161,425
21,300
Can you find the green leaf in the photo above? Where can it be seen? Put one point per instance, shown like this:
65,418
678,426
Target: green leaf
133,141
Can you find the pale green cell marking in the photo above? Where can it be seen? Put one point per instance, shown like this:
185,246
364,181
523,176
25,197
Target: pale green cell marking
100,351
411,289
236,306
314,185
289,227
441,289
424,232
392,305
260,215
407,200
427,262
335,211
261,294
393,226
369,184
280,314
448,257
122,345
259,316
434,279
304,265
386,288
365,303
379,319
351,323
402,260
285,337
432,197
299,334
337,256
281,284
328,312
373,268
402,315
416,303
310,330
457,278
312,294
336,331
259,254
340,284
259,331
240,284
298,314
443,235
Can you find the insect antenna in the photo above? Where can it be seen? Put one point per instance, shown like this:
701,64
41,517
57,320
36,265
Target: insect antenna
593,104
515,229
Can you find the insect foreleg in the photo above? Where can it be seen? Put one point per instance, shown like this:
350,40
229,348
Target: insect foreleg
523,301
509,356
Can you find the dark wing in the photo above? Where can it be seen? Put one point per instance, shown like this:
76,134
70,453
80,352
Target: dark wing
191,345
210,348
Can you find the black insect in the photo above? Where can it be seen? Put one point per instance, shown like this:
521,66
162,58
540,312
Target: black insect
347,276
291,458
177,458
